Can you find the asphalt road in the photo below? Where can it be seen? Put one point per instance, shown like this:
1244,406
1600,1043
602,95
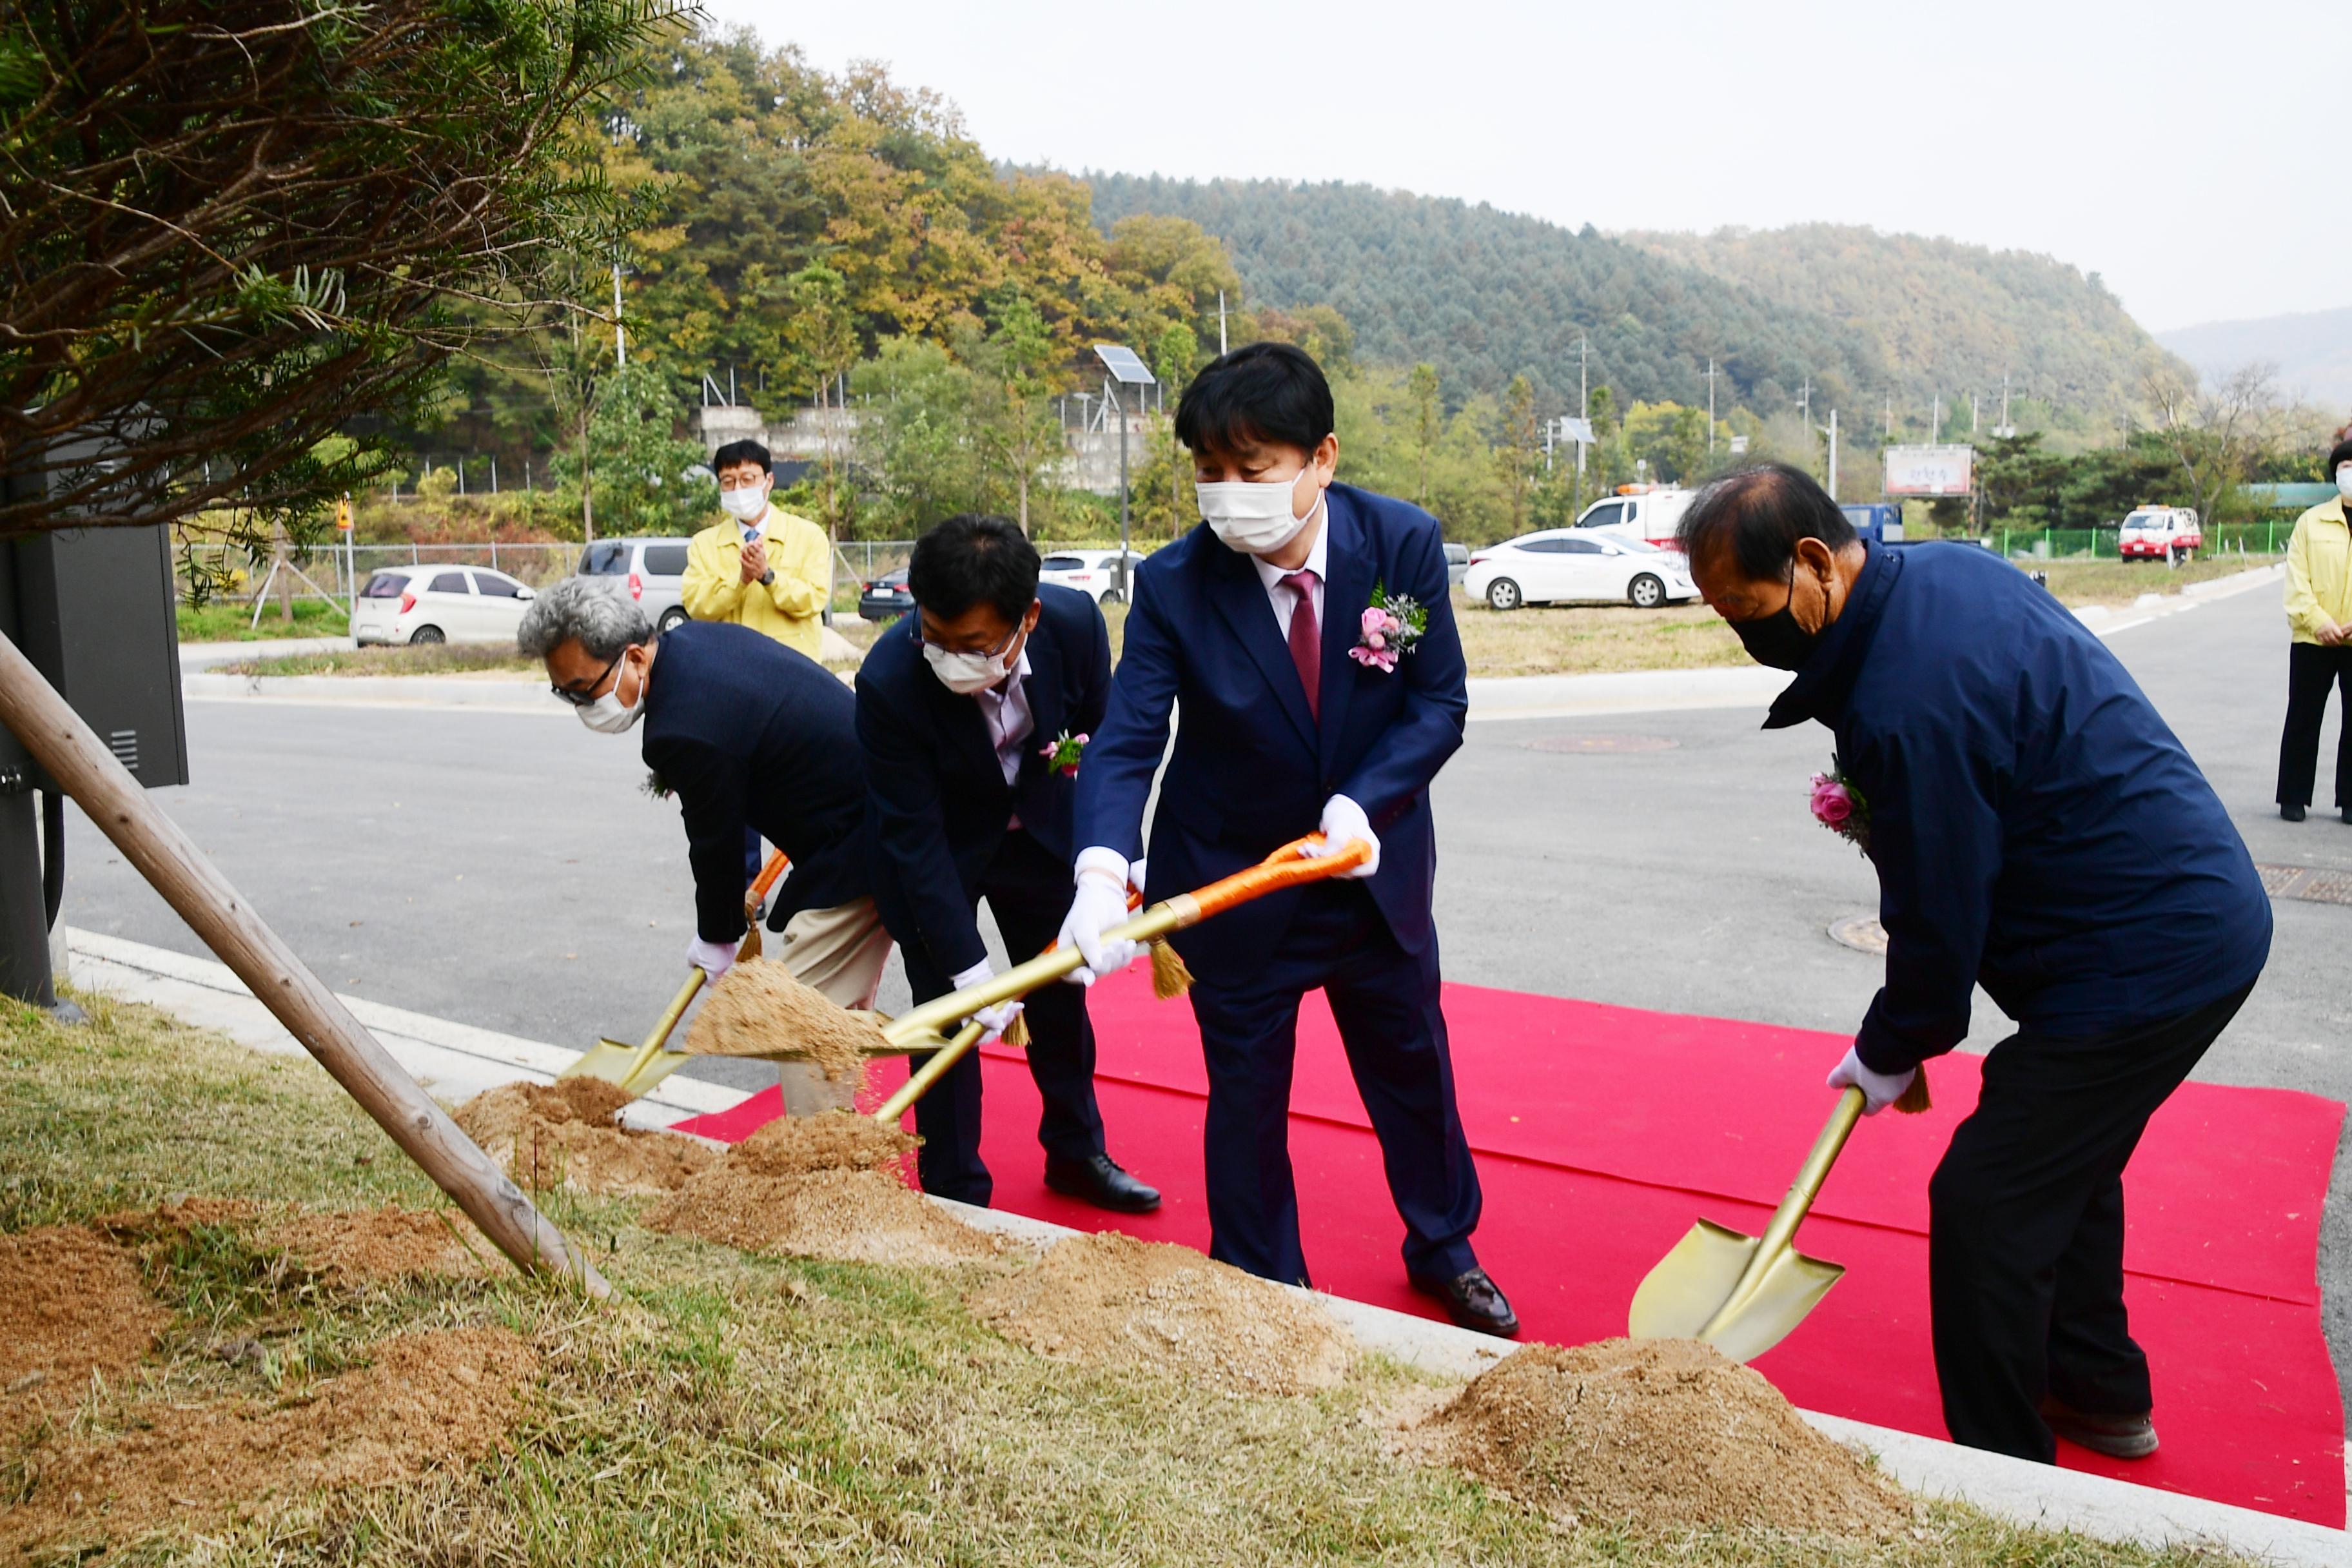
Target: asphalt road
504,870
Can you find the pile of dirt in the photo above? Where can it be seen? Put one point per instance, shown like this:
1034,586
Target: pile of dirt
758,1009
1657,1435
568,1135
71,1304
834,1140
847,1217
1110,1299
360,1246
426,1400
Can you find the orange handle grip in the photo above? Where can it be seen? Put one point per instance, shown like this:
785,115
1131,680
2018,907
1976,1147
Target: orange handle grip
768,873
1286,867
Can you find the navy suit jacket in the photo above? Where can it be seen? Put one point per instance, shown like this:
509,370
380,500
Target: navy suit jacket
744,730
1252,768
938,803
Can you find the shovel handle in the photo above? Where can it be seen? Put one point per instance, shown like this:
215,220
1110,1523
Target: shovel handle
1799,1201
667,1024
1287,867
766,879
930,1072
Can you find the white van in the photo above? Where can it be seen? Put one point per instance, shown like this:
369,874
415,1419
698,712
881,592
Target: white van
1646,512
654,570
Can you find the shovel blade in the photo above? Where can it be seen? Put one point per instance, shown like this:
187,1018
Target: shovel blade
1690,1285
610,1061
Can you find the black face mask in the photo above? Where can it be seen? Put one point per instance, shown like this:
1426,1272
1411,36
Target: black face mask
1777,639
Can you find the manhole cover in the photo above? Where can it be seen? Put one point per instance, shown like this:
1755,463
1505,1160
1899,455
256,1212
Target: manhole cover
2308,884
1610,744
1861,933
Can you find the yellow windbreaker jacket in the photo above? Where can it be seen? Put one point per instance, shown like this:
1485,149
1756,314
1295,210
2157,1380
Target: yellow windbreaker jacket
786,609
2319,571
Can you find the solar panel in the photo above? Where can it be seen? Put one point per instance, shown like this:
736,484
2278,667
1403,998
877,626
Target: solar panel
1123,364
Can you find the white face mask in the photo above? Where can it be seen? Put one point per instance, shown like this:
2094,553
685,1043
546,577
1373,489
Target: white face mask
745,504
1255,517
2344,481
966,673
608,715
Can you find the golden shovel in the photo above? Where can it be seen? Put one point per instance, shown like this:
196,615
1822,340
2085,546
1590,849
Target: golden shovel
638,1068
1743,1294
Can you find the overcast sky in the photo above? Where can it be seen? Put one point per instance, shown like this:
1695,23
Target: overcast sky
2191,153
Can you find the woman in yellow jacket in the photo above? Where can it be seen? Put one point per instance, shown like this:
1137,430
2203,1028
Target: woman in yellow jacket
762,568
2319,609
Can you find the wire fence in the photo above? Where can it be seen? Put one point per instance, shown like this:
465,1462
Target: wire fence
2247,539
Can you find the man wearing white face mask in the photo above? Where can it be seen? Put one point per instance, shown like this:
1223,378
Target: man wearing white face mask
738,730
974,713
762,568
1306,627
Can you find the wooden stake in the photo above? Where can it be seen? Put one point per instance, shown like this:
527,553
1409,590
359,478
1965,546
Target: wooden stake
193,886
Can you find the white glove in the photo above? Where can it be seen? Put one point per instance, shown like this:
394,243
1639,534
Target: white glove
998,1018
1879,1090
713,958
1098,904
1343,819
1135,878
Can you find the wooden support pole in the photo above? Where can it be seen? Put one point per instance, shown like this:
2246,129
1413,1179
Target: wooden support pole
193,886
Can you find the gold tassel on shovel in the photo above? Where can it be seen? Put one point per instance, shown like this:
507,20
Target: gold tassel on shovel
1170,979
1914,1099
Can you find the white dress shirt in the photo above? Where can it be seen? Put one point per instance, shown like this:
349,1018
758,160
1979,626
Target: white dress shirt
1005,709
1283,600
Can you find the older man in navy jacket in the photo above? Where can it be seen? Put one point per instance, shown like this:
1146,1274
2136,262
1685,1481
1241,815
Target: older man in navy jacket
971,712
1254,624
2037,829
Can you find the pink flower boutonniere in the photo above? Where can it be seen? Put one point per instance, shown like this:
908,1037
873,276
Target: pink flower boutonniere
1388,630
1062,755
1841,807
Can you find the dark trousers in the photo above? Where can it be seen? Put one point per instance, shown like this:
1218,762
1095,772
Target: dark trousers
1028,890
1385,1002
2310,671
2025,1239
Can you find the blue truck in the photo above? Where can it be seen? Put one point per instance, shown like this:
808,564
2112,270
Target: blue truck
1878,522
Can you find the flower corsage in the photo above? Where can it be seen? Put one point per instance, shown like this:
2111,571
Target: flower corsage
1841,807
1062,755
1390,625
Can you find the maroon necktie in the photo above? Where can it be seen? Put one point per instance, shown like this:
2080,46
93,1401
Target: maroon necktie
1307,642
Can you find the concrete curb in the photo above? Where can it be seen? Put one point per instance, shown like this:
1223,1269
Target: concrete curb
376,691
456,1060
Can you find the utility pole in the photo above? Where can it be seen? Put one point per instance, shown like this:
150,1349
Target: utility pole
1890,418
1936,420
1583,412
1221,324
620,334
1972,416
1832,453
1805,401
1710,407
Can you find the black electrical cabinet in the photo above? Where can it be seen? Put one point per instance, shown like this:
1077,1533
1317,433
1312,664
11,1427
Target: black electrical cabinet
92,609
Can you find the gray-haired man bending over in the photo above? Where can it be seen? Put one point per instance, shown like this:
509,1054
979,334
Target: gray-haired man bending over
740,729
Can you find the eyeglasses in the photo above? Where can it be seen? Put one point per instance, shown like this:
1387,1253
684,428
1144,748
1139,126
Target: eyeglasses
1010,638
585,696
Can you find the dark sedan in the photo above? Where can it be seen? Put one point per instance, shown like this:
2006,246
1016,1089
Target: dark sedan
886,598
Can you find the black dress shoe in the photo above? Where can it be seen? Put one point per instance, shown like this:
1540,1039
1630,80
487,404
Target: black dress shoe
2117,1437
1100,1182
1472,1302
2291,813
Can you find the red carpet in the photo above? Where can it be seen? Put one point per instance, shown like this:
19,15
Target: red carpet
1602,1132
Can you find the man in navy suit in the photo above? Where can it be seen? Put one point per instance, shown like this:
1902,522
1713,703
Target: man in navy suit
972,713
1260,624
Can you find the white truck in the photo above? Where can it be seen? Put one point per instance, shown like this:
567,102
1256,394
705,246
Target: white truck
1646,512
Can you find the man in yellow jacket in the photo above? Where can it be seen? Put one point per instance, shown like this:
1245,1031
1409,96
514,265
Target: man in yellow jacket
2319,611
762,568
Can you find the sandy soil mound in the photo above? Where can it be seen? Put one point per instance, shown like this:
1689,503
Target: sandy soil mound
1111,1298
849,1217
426,1400
1661,1434
836,1141
71,1303
565,1133
760,1010
360,1246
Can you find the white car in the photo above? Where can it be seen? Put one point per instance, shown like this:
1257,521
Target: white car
1093,572
1568,565
432,604
653,570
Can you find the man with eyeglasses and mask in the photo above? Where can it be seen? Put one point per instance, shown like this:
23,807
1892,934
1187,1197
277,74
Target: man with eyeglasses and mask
763,567
973,712
2037,829
738,728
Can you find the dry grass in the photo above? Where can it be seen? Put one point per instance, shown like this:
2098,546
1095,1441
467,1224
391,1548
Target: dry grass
731,1409
2118,582
427,658
1592,639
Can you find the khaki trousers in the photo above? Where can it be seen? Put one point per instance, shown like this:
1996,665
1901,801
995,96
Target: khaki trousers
840,953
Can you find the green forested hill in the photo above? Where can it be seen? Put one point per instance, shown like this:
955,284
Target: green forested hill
1951,317
1484,295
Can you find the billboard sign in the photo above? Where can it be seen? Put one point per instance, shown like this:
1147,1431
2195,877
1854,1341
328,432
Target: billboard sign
1930,470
